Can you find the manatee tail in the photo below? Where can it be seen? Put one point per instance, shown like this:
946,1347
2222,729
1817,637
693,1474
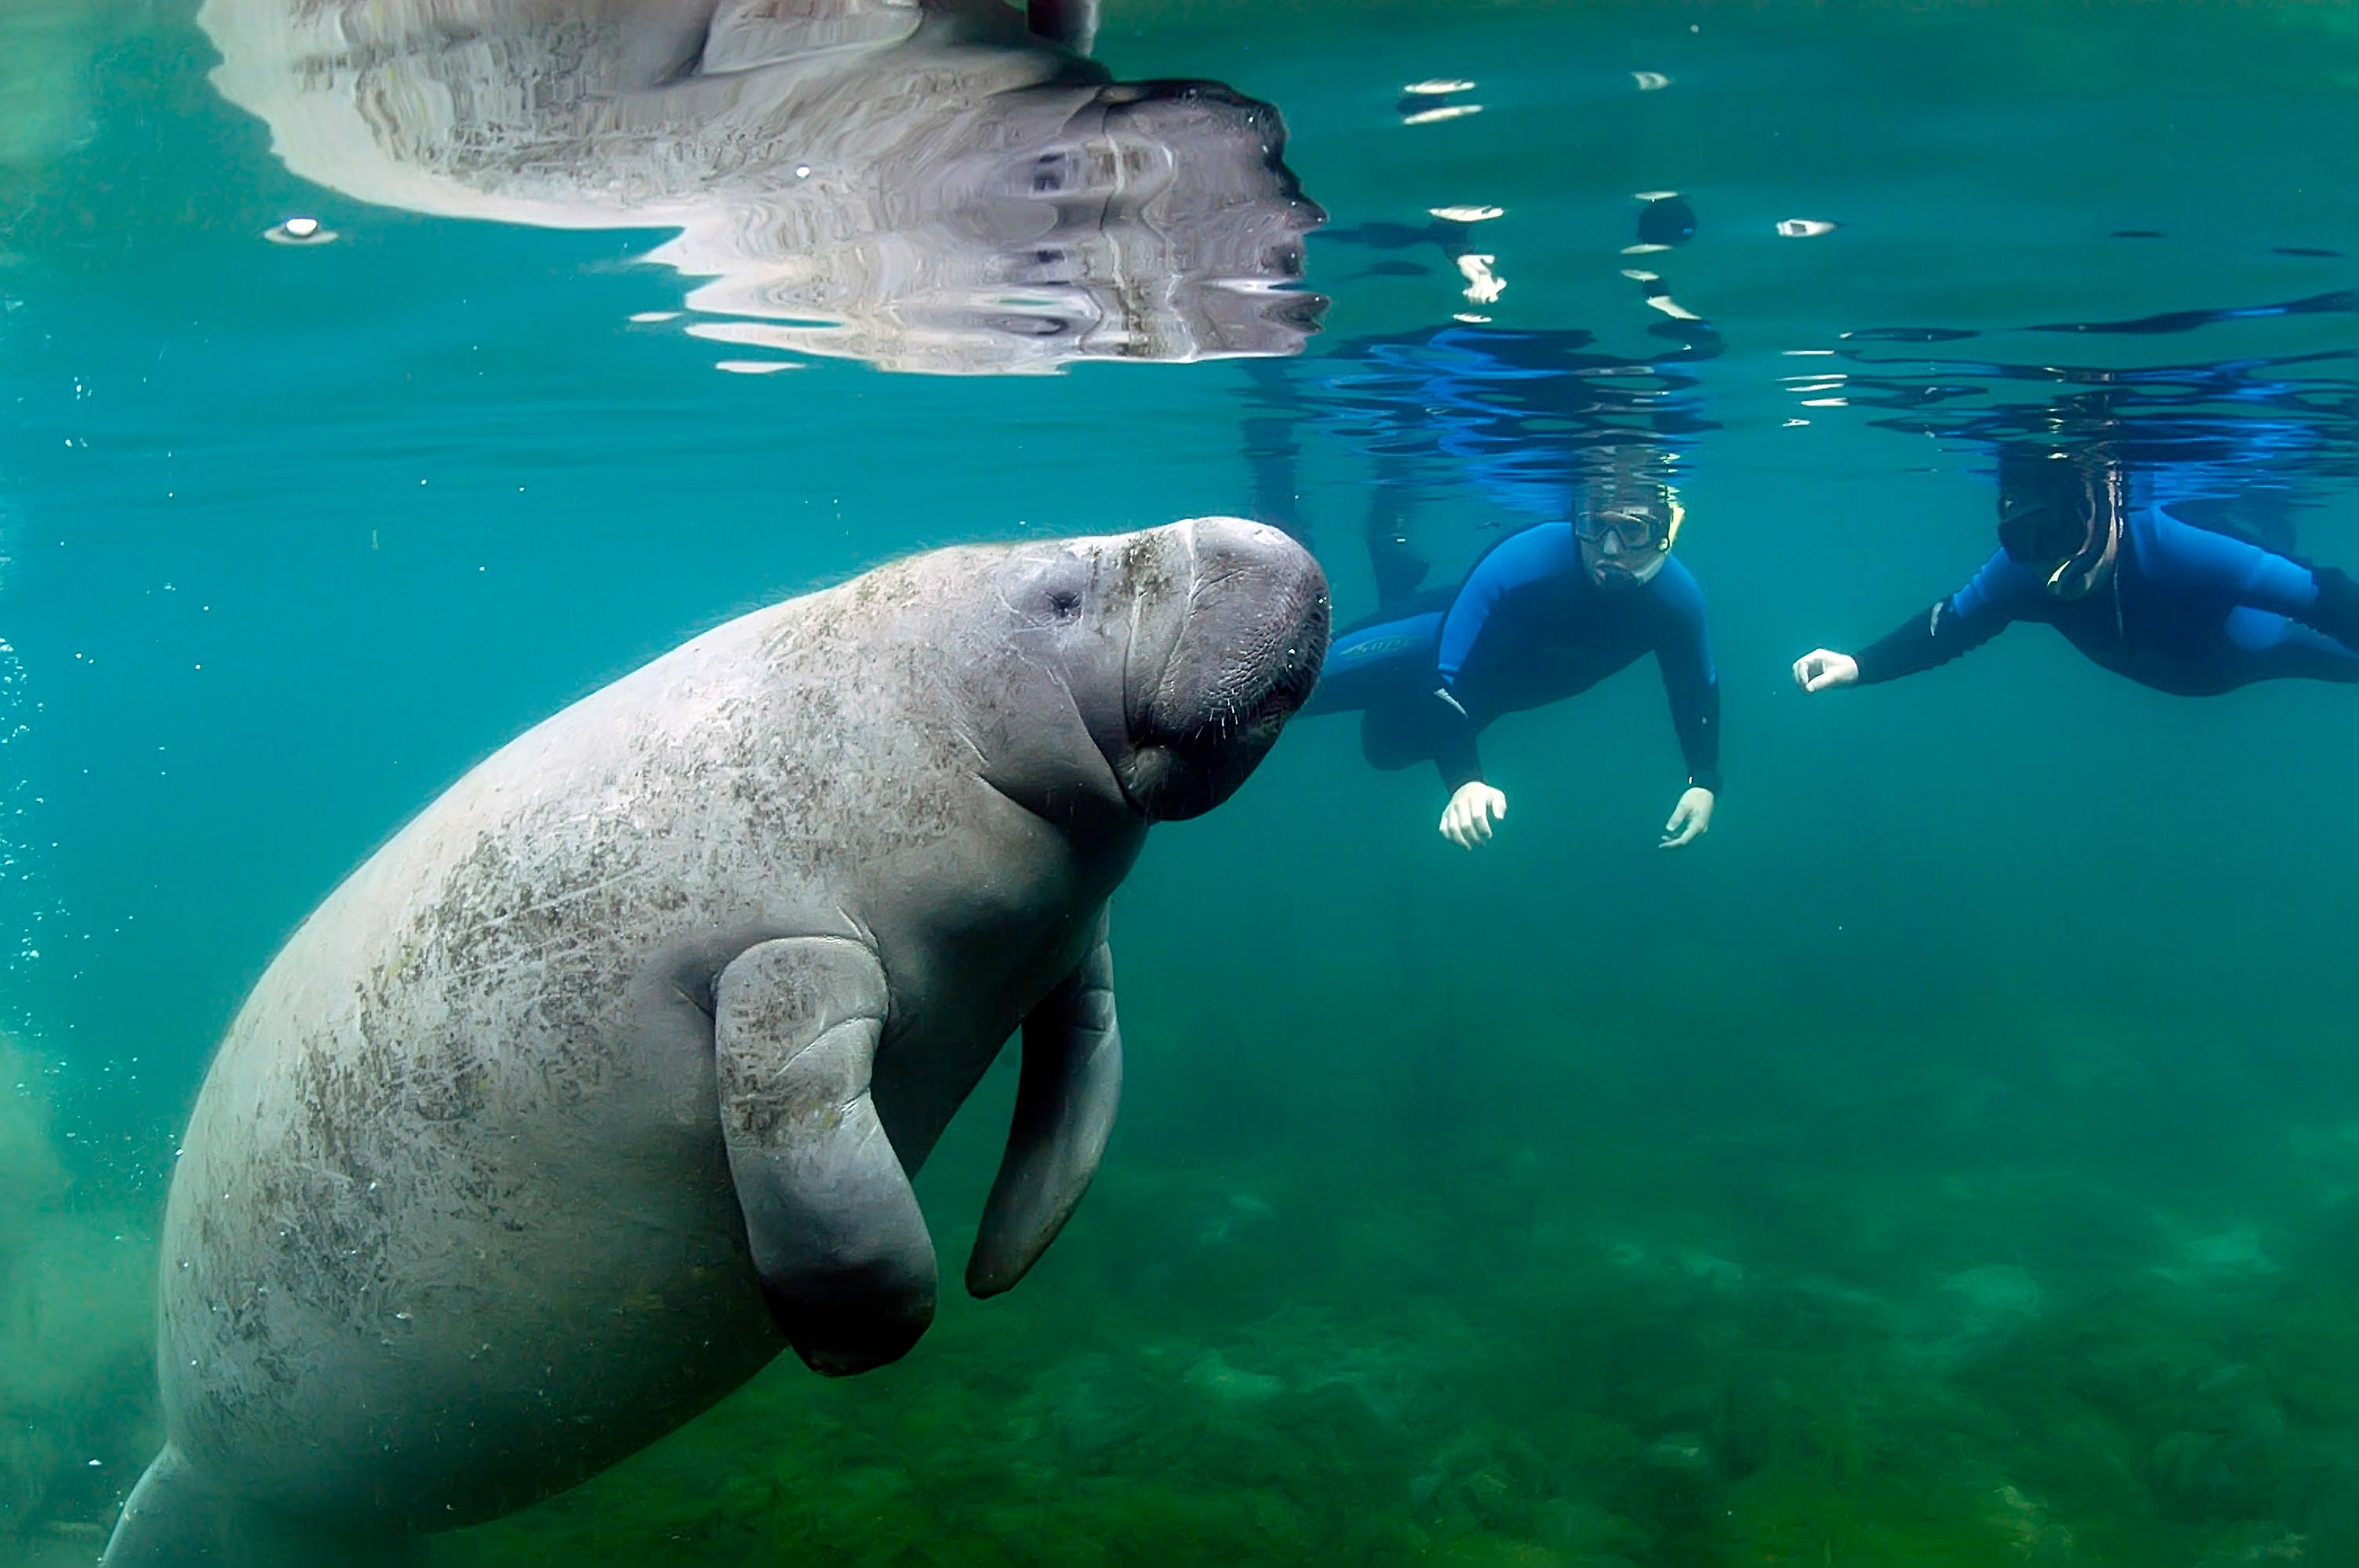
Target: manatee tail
169,1519
174,1519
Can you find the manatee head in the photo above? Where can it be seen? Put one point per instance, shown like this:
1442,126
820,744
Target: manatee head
1150,672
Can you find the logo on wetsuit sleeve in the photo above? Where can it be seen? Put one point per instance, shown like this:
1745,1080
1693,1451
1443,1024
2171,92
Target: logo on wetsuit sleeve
1375,645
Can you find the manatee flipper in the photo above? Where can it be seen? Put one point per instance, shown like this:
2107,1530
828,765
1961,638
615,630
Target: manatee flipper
1071,23
1065,1103
837,1238
174,1519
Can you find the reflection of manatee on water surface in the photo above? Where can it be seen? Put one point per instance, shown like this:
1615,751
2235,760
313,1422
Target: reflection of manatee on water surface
603,1081
926,186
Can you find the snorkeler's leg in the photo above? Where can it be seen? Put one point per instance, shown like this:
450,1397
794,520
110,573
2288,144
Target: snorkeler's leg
2322,599
2336,614
1399,570
1369,664
2271,647
1394,735
1272,453
173,1518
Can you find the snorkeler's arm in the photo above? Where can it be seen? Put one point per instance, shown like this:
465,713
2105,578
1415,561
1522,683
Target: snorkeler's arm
1454,750
1533,556
1683,652
1958,625
1528,558
2321,598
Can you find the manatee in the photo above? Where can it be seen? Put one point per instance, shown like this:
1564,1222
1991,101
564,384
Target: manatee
925,185
603,1081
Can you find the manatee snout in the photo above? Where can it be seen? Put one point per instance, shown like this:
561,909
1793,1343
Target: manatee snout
1230,206
1241,661
1228,153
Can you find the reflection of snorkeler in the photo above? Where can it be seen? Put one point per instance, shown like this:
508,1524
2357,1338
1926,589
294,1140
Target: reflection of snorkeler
2140,591
1545,614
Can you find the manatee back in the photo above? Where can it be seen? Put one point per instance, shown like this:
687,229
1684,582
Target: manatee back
458,1160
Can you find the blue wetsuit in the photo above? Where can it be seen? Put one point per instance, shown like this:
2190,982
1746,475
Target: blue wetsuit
1527,628
2187,612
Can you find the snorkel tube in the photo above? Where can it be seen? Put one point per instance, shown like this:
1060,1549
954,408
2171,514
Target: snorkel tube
2060,513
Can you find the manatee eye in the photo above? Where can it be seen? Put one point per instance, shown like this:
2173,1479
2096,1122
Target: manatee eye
1060,590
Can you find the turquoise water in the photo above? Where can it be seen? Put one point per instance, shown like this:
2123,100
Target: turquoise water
1955,1158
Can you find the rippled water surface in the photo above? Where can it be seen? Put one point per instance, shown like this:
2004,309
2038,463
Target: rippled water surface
1955,1157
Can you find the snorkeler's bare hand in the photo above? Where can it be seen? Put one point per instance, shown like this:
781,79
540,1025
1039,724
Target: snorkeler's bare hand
1467,822
1691,819
1824,669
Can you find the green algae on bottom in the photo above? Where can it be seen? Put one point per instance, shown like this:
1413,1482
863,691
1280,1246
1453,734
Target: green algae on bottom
1535,1368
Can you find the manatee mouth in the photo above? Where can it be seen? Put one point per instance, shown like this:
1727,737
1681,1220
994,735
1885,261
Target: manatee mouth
1247,724
1184,770
1283,692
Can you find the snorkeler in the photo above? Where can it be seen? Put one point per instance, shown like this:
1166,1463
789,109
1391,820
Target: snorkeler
2140,592
1545,614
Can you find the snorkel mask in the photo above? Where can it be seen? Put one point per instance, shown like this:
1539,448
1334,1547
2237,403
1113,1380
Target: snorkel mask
2063,524
1627,515
1626,545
